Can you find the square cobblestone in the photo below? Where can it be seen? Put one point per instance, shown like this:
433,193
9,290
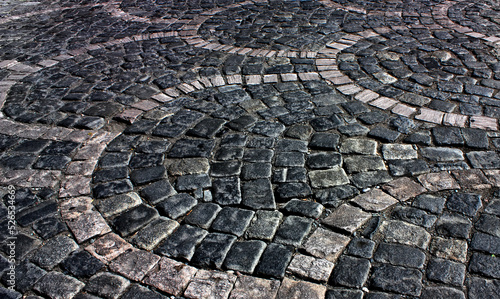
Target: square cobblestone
170,276
404,189
232,220
347,218
134,264
212,250
210,285
255,288
108,247
301,289
374,201
310,267
326,244
58,285
293,230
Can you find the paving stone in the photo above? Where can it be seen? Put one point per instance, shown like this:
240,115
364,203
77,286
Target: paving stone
359,146
203,215
403,188
244,255
26,275
39,211
177,205
108,247
482,288
182,242
445,271
9,293
400,255
431,203
232,220
486,243
24,245
213,249
193,182
134,219
264,225
351,272
493,207
274,260
253,287
269,129
438,181
420,138
347,218
289,159
170,276
328,178
310,267
414,216
206,128
224,169
291,190
384,134
447,136
153,233
58,285
475,138
354,164
118,204
405,233
452,225
137,291
398,152
210,284
187,148
107,285
82,264
304,208
289,175
300,289
442,154
134,264
442,293
361,247
388,278
323,160
465,203
258,155
54,251
484,160
370,178
299,132
229,153
375,200
344,294
326,244
188,166
112,188
147,175
252,171
326,141
226,191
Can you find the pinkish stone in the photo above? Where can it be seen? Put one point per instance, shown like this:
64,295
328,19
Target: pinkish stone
292,289
108,247
404,188
247,287
210,285
134,264
170,276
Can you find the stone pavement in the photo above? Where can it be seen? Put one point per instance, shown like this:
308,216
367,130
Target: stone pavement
250,149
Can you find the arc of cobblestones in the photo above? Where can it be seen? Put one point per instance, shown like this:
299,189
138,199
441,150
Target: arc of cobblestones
162,277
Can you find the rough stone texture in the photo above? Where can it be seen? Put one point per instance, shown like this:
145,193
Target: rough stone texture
405,233
403,188
107,285
389,278
351,272
253,287
135,264
210,285
300,289
170,276
108,247
375,200
310,267
347,218
326,244
58,285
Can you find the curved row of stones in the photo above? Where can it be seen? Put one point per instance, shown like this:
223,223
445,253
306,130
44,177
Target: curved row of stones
474,178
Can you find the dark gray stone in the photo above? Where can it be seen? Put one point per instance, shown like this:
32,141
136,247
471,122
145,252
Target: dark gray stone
446,272
54,251
370,178
203,215
157,191
400,255
488,224
258,155
206,128
323,160
274,260
384,134
480,288
485,242
244,256
431,203
289,159
415,216
333,196
304,208
350,272
26,275
52,162
484,160
145,160
293,230
327,141
107,285
408,167
226,191
452,225
441,293
475,138
82,264
188,148
193,182
58,285
258,194
147,175
361,247
177,205
290,145
388,278
264,225
112,188
232,220
182,242
465,203
136,291
269,129
344,294
293,190
44,209
485,265
213,249
447,136
252,171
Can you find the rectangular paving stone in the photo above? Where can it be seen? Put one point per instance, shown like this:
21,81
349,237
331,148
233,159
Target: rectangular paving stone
213,250
134,219
274,260
326,244
54,251
403,188
486,243
351,272
264,225
304,208
258,194
310,267
405,233
210,285
301,289
244,256
134,264
374,201
347,218
370,178
108,247
398,152
363,163
117,204
328,178
155,232
232,220
186,148
182,242
400,255
359,146
446,272
58,285
388,278
254,287
88,225
438,181
293,230
170,276
226,191
177,205
203,215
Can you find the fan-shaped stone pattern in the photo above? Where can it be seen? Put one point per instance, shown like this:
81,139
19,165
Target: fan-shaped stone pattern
441,70
85,94
275,26
480,16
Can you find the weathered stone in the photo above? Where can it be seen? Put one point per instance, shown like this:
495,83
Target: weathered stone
153,233
445,271
244,255
188,166
328,178
388,278
134,264
347,218
210,285
253,287
301,289
170,276
405,233
351,272
264,225
310,267
399,255
326,244
375,200
58,285
107,285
